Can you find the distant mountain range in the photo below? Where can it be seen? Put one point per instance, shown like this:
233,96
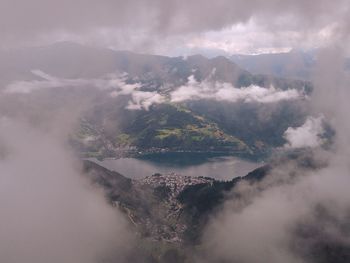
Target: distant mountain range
70,60
294,64
220,106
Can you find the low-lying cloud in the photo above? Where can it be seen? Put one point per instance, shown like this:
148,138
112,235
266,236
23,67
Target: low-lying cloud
219,91
113,83
307,135
117,86
47,81
140,100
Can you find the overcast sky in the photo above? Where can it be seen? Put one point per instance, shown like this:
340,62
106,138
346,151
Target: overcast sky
176,26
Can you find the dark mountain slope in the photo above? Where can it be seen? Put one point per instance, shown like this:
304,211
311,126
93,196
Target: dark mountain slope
171,211
170,208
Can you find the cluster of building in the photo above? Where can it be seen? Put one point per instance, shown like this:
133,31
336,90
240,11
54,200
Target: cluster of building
175,182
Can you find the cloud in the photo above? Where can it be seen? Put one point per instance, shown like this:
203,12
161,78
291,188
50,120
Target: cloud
49,216
254,38
297,214
49,212
140,100
116,86
193,90
47,81
127,24
307,135
226,92
266,223
113,83
300,211
144,100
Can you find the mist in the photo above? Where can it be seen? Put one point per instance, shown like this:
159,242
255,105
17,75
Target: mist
289,221
49,212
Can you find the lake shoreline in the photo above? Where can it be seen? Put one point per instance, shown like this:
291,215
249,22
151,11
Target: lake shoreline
137,153
217,165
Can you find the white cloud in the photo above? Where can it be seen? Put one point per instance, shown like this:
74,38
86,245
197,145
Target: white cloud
255,38
47,81
193,90
307,135
143,100
117,83
226,92
139,99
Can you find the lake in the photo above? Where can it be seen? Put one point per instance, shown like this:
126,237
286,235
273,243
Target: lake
190,164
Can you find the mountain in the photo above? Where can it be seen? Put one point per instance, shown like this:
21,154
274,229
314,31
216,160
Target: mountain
174,208
294,64
205,126
72,61
143,117
169,212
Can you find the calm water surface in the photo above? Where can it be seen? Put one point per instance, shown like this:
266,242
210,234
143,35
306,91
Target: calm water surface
191,164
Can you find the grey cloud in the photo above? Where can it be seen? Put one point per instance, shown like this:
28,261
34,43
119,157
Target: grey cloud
295,214
266,227
24,20
49,212
296,220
